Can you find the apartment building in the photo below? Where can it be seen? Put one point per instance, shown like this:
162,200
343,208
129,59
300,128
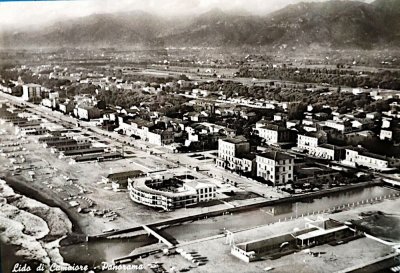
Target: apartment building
275,166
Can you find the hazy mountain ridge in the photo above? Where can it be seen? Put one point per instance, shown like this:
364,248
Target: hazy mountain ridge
335,24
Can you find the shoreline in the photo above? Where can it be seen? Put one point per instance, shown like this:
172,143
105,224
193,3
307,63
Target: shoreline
31,230
20,185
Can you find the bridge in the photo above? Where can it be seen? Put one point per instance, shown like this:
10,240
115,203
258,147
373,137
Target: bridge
158,236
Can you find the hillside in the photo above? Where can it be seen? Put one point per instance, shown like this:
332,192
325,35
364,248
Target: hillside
335,24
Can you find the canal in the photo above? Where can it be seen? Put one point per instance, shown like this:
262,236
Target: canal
95,252
271,214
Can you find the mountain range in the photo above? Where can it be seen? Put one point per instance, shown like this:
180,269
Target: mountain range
330,24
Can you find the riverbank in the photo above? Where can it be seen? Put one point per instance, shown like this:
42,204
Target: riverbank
30,229
19,184
244,209
80,223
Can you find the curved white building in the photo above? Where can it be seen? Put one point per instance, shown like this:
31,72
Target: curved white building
168,192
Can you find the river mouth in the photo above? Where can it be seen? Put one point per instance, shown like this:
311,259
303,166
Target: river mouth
94,252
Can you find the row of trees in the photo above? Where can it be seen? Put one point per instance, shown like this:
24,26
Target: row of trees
383,79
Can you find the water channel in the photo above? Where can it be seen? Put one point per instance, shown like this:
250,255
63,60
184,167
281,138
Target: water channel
94,252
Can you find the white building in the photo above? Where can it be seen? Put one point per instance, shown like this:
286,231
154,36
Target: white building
50,103
275,167
272,133
230,148
5,89
377,162
386,123
54,95
87,112
307,142
373,115
160,137
342,126
386,135
31,91
315,143
164,190
234,154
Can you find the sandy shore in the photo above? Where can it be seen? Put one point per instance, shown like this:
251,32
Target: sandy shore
31,226
22,186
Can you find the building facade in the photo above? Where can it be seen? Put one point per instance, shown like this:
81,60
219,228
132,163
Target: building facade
272,133
275,167
168,192
31,92
234,154
377,162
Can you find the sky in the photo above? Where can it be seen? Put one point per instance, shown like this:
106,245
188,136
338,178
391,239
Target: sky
30,13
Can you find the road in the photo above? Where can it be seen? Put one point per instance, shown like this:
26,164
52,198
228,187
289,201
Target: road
207,168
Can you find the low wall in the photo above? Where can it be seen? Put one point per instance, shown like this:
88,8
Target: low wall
290,199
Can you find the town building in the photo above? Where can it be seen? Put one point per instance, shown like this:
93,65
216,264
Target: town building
360,157
160,137
339,125
169,192
99,157
273,133
119,180
234,154
316,232
31,92
87,112
275,167
50,103
386,135
315,144
5,88
66,107
309,141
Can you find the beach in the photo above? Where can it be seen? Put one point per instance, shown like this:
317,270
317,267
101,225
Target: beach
31,230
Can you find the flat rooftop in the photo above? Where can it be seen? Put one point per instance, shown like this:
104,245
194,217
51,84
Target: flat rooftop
320,232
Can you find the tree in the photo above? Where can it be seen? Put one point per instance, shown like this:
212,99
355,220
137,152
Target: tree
296,111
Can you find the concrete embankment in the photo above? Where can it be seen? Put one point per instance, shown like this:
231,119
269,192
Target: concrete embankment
291,199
